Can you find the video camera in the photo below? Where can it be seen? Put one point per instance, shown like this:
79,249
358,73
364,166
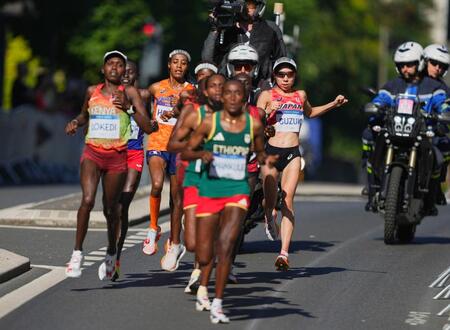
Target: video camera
228,12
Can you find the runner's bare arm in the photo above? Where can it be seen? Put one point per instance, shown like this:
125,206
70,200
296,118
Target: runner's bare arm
264,102
258,145
312,112
140,116
83,117
197,138
186,123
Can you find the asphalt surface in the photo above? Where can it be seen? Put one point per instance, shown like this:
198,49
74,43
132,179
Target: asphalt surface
15,195
342,276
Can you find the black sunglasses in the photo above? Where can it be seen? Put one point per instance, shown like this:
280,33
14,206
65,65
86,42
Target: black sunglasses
282,74
437,63
407,64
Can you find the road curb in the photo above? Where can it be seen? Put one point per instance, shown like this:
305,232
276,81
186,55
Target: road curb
12,265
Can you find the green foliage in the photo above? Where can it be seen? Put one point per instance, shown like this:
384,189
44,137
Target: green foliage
113,24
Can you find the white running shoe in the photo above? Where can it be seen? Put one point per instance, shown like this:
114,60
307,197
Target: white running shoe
171,259
73,268
150,245
271,228
194,282
202,303
106,269
217,316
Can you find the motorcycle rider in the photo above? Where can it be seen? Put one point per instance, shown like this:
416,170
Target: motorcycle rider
409,62
437,60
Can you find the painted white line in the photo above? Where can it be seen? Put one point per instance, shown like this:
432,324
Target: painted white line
328,199
88,263
133,241
444,293
103,248
20,296
93,258
48,228
445,310
97,253
47,267
135,237
442,278
129,245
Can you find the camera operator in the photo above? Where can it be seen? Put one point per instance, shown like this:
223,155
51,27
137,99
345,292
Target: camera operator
249,28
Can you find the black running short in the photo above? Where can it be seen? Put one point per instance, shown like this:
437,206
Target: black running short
285,155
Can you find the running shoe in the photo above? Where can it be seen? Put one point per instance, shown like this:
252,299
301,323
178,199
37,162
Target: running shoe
217,316
106,269
282,262
171,259
116,274
73,268
232,277
194,282
202,303
150,246
271,228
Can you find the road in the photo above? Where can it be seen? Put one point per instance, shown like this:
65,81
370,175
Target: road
342,277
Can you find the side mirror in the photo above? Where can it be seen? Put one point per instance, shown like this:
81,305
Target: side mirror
369,91
444,117
371,108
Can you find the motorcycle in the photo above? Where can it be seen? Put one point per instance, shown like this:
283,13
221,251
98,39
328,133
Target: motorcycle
402,162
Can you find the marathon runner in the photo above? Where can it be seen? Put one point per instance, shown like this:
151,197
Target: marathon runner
105,155
160,161
285,108
135,161
227,137
192,114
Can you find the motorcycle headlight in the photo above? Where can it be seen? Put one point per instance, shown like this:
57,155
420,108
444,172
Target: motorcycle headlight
397,119
411,120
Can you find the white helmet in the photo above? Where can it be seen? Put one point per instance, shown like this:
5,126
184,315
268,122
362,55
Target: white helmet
410,51
260,7
243,53
438,53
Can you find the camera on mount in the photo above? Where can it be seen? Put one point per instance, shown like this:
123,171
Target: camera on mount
228,12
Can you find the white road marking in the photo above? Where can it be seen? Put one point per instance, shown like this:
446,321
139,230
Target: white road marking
442,278
136,237
88,263
445,310
133,241
46,266
93,258
346,199
20,296
49,228
129,245
417,318
97,253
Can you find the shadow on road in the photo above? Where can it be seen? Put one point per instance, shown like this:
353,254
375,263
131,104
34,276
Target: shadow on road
424,240
269,246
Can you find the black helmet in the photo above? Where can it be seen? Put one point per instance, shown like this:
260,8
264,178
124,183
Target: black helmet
260,7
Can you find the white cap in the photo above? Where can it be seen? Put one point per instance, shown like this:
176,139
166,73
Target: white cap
114,53
284,60
180,51
205,65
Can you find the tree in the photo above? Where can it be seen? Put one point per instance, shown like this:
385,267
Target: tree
113,24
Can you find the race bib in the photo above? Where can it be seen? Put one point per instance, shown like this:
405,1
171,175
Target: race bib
405,106
160,109
134,129
288,120
231,167
104,127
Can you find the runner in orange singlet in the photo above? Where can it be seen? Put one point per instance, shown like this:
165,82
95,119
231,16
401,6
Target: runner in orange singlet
160,161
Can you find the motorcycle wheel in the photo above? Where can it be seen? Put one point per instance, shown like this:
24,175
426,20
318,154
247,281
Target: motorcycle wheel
406,233
391,205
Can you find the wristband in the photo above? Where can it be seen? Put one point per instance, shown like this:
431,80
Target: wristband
131,110
75,120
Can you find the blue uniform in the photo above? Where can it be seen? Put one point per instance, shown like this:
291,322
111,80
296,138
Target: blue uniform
136,141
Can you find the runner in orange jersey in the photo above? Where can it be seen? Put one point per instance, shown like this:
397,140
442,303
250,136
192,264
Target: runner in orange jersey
160,161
